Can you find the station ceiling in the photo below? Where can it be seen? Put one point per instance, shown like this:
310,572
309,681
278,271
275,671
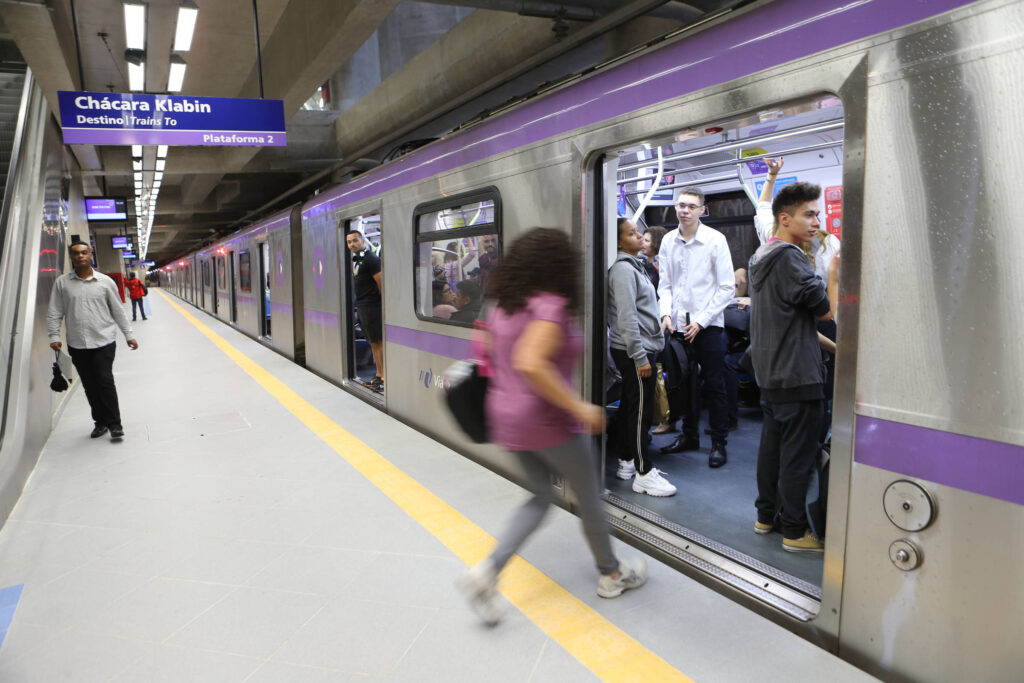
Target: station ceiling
423,76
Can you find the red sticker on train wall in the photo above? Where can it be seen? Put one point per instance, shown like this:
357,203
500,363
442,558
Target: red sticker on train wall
834,210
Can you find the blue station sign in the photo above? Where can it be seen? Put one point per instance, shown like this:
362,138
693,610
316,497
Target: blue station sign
91,118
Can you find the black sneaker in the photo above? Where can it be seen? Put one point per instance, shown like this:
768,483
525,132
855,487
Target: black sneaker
98,431
116,433
681,444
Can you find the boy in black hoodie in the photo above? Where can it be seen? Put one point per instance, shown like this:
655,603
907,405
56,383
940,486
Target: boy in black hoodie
786,299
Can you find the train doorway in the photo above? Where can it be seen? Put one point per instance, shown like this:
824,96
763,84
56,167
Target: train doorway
231,286
363,340
713,507
265,309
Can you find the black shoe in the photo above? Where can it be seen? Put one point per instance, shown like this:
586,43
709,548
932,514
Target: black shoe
135,319
718,455
145,318
98,431
682,443
116,433
733,426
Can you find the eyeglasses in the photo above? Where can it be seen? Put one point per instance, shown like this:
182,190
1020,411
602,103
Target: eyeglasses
691,207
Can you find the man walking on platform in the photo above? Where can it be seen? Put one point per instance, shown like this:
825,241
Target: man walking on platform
92,310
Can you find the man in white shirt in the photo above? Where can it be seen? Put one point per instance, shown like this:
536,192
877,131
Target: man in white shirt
696,285
92,310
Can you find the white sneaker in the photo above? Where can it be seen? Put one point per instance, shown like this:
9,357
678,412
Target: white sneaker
653,484
626,469
632,574
480,584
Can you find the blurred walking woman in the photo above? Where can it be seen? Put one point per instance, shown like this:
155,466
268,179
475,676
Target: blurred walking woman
534,413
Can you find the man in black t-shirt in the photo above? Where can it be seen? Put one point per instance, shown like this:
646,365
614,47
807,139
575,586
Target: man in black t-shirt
367,290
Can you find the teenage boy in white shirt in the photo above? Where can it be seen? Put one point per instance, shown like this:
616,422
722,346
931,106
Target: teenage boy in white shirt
696,285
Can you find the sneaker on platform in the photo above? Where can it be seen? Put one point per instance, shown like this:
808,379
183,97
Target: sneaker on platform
653,484
632,574
480,584
762,528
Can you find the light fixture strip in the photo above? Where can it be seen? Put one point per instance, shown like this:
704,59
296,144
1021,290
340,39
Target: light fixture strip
135,26
137,76
187,15
176,75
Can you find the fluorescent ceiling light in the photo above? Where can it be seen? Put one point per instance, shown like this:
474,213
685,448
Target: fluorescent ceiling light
160,164
159,175
138,176
136,69
161,151
136,164
136,151
176,77
134,26
187,15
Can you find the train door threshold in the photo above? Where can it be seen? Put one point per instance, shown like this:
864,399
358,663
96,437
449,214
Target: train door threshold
793,596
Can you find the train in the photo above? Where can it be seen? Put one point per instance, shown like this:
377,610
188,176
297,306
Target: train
903,113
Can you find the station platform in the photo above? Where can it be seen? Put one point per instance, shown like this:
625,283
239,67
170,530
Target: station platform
258,524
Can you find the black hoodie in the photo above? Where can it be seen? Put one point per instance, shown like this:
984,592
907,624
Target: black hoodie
785,298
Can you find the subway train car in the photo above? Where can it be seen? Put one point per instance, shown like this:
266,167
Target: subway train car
903,112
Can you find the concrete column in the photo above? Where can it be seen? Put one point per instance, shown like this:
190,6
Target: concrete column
356,77
410,29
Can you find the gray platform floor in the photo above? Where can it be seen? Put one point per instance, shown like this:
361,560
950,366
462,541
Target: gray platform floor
223,541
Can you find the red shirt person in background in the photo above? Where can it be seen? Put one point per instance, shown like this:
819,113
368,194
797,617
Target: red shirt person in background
136,290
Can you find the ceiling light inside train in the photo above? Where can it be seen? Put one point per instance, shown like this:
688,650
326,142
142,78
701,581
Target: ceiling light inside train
188,12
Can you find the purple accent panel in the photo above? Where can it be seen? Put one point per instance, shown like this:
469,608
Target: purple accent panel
988,468
320,318
757,167
281,308
217,138
437,344
771,35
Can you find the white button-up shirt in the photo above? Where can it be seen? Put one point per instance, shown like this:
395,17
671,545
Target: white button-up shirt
696,277
91,309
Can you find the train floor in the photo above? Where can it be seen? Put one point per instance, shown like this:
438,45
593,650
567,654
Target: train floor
258,523
719,503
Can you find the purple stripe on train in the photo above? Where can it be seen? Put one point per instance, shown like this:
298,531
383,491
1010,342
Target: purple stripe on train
763,38
428,342
988,468
321,318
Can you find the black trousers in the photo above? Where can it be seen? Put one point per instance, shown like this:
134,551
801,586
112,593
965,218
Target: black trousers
785,460
137,304
709,346
96,369
636,410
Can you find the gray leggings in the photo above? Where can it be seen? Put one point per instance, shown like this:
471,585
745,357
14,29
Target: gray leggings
577,463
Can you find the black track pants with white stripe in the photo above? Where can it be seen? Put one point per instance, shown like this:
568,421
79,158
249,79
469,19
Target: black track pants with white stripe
636,408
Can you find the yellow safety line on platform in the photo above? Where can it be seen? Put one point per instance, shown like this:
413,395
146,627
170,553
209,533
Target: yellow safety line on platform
599,645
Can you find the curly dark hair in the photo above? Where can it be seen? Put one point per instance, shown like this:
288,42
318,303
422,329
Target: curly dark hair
541,260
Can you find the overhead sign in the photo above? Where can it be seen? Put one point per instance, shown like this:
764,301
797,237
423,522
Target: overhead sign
91,118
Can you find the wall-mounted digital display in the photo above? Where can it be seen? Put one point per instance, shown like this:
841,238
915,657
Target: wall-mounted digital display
106,209
119,242
127,255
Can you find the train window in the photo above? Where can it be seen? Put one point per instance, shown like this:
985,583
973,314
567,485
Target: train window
221,274
245,271
728,160
458,244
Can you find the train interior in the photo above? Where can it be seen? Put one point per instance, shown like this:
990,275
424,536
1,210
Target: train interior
726,160
265,330
360,363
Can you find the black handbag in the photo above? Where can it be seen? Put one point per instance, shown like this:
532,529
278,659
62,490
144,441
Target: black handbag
58,383
466,391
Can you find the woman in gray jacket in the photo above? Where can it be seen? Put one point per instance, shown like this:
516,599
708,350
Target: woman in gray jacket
634,333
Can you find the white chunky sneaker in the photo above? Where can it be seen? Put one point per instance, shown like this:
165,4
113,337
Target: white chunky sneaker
653,484
632,574
480,584
626,469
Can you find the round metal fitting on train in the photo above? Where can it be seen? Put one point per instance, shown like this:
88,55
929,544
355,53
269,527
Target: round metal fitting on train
908,505
905,555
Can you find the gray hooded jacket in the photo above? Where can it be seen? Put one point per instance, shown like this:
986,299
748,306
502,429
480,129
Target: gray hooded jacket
785,298
633,310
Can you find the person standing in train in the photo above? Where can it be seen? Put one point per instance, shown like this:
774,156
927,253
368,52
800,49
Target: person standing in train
697,283
634,334
534,412
92,312
368,288
488,261
786,299
136,290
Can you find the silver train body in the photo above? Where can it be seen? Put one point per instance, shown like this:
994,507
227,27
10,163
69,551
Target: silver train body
923,567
